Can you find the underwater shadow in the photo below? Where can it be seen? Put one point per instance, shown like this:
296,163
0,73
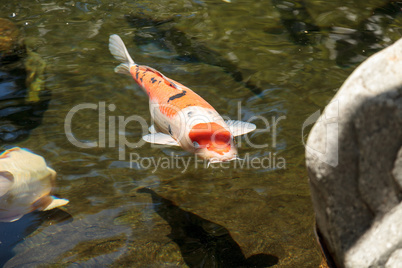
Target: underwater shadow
18,113
204,243
165,35
12,233
297,21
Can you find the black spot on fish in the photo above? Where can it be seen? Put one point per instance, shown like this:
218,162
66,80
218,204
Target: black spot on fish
143,74
170,130
159,82
153,80
177,96
189,114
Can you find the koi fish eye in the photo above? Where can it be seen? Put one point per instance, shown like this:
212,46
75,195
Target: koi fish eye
196,145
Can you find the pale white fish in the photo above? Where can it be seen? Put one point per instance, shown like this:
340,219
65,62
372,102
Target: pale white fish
25,184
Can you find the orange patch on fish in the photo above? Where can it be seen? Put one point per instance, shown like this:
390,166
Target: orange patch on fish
6,153
169,94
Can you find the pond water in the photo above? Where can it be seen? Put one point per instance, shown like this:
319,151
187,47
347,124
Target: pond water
278,61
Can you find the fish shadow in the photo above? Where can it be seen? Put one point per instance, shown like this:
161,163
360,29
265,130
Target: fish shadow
12,233
204,243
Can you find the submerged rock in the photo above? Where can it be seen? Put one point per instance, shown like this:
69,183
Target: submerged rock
23,98
11,42
354,160
25,185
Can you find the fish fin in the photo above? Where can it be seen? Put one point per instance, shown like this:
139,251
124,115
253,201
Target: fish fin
122,69
168,81
173,84
160,138
119,52
6,181
238,128
12,218
5,154
50,202
152,129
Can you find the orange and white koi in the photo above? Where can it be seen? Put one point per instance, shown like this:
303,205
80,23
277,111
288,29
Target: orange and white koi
181,117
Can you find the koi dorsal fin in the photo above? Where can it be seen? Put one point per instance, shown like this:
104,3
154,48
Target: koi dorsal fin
168,81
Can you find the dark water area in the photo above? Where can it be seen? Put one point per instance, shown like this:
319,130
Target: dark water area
17,115
274,62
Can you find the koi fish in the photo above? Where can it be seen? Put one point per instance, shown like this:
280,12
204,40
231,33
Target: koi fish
25,184
181,117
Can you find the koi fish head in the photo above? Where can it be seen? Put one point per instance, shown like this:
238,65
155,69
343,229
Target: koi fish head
213,142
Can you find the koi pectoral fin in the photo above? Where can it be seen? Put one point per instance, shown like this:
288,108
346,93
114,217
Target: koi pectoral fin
238,128
12,218
152,129
49,202
56,202
160,138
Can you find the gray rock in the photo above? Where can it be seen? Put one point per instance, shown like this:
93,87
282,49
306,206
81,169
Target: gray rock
395,260
379,243
351,156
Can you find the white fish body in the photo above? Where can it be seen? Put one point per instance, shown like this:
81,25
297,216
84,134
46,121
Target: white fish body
25,184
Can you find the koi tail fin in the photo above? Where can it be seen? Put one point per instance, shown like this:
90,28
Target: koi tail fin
119,52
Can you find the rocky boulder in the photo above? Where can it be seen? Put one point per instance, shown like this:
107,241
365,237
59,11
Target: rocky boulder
354,161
